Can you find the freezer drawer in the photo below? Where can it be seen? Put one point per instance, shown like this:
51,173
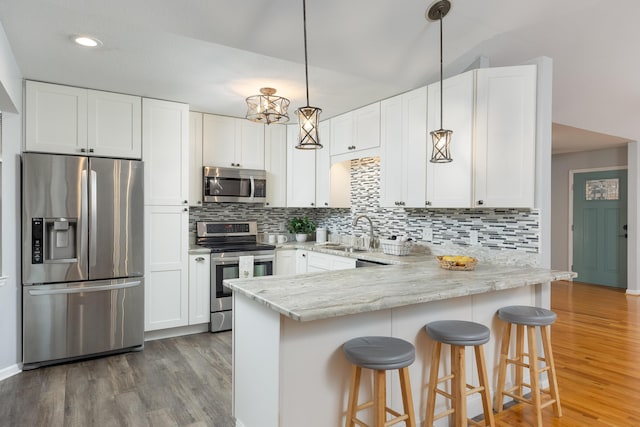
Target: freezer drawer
70,320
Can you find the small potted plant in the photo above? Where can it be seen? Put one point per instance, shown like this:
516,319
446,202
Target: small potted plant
301,227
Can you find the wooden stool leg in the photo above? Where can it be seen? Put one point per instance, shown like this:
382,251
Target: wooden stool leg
534,373
354,388
553,380
502,369
379,398
484,383
407,398
433,383
459,383
519,380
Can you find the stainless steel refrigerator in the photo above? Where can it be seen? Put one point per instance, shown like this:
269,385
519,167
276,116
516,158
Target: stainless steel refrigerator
82,257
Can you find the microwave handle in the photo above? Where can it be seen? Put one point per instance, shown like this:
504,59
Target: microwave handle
253,187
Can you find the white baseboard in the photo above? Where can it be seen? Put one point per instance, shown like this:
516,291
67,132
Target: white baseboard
633,292
9,371
176,332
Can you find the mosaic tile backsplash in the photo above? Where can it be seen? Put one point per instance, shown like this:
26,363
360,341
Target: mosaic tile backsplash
512,229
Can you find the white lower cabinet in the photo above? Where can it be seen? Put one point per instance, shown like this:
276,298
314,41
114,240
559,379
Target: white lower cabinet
167,267
324,262
285,262
199,288
301,261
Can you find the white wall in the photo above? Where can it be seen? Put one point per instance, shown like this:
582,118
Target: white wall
10,315
561,164
633,219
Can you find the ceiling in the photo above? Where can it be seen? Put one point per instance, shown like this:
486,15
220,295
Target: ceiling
214,53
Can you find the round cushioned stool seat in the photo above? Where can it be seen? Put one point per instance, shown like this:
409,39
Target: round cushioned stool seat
380,353
458,332
527,315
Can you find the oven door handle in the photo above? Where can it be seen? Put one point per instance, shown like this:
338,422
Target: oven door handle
253,186
235,260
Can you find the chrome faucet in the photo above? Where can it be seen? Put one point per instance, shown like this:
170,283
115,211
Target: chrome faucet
371,238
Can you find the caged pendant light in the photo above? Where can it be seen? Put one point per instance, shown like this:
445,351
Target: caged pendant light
440,138
308,117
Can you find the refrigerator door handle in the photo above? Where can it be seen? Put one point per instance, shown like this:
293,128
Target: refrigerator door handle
98,288
93,225
84,238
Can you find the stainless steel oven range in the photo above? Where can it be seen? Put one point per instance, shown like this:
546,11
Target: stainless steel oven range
228,242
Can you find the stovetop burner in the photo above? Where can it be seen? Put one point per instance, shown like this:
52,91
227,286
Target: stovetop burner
230,237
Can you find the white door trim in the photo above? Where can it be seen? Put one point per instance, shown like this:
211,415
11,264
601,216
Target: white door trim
572,172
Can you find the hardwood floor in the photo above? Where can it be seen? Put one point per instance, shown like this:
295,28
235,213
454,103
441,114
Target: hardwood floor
183,381
596,345
186,381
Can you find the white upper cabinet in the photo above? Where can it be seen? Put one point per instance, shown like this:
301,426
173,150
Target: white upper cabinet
301,173
505,137
275,163
392,162
450,185
333,181
114,125
356,131
251,145
231,142
341,133
165,131
70,120
323,167
195,159
403,149
366,127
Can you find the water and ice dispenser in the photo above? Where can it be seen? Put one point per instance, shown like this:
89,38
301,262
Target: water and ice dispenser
54,240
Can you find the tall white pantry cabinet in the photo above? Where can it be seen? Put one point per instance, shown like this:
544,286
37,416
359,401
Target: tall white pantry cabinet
165,153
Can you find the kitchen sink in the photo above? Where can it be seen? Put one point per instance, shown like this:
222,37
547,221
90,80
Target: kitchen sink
352,249
346,248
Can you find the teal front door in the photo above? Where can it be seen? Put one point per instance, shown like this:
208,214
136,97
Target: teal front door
600,227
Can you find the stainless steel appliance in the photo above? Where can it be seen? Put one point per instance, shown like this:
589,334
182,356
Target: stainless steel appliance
234,185
228,242
82,257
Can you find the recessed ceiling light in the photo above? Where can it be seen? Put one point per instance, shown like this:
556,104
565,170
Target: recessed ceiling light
87,41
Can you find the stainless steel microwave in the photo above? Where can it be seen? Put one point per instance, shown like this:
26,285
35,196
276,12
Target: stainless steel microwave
234,185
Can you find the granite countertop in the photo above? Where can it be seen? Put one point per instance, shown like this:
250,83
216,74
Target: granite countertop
314,296
195,249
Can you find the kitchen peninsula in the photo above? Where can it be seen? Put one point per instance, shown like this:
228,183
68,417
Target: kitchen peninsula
289,369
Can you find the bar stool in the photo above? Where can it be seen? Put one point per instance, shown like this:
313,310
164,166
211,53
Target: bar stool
529,317
380,354
458,334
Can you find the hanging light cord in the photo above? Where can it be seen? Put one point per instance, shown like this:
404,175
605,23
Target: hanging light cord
306,66
441,93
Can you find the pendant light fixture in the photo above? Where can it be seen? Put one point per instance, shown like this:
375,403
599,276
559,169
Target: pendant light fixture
308,117
441,138
267,108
